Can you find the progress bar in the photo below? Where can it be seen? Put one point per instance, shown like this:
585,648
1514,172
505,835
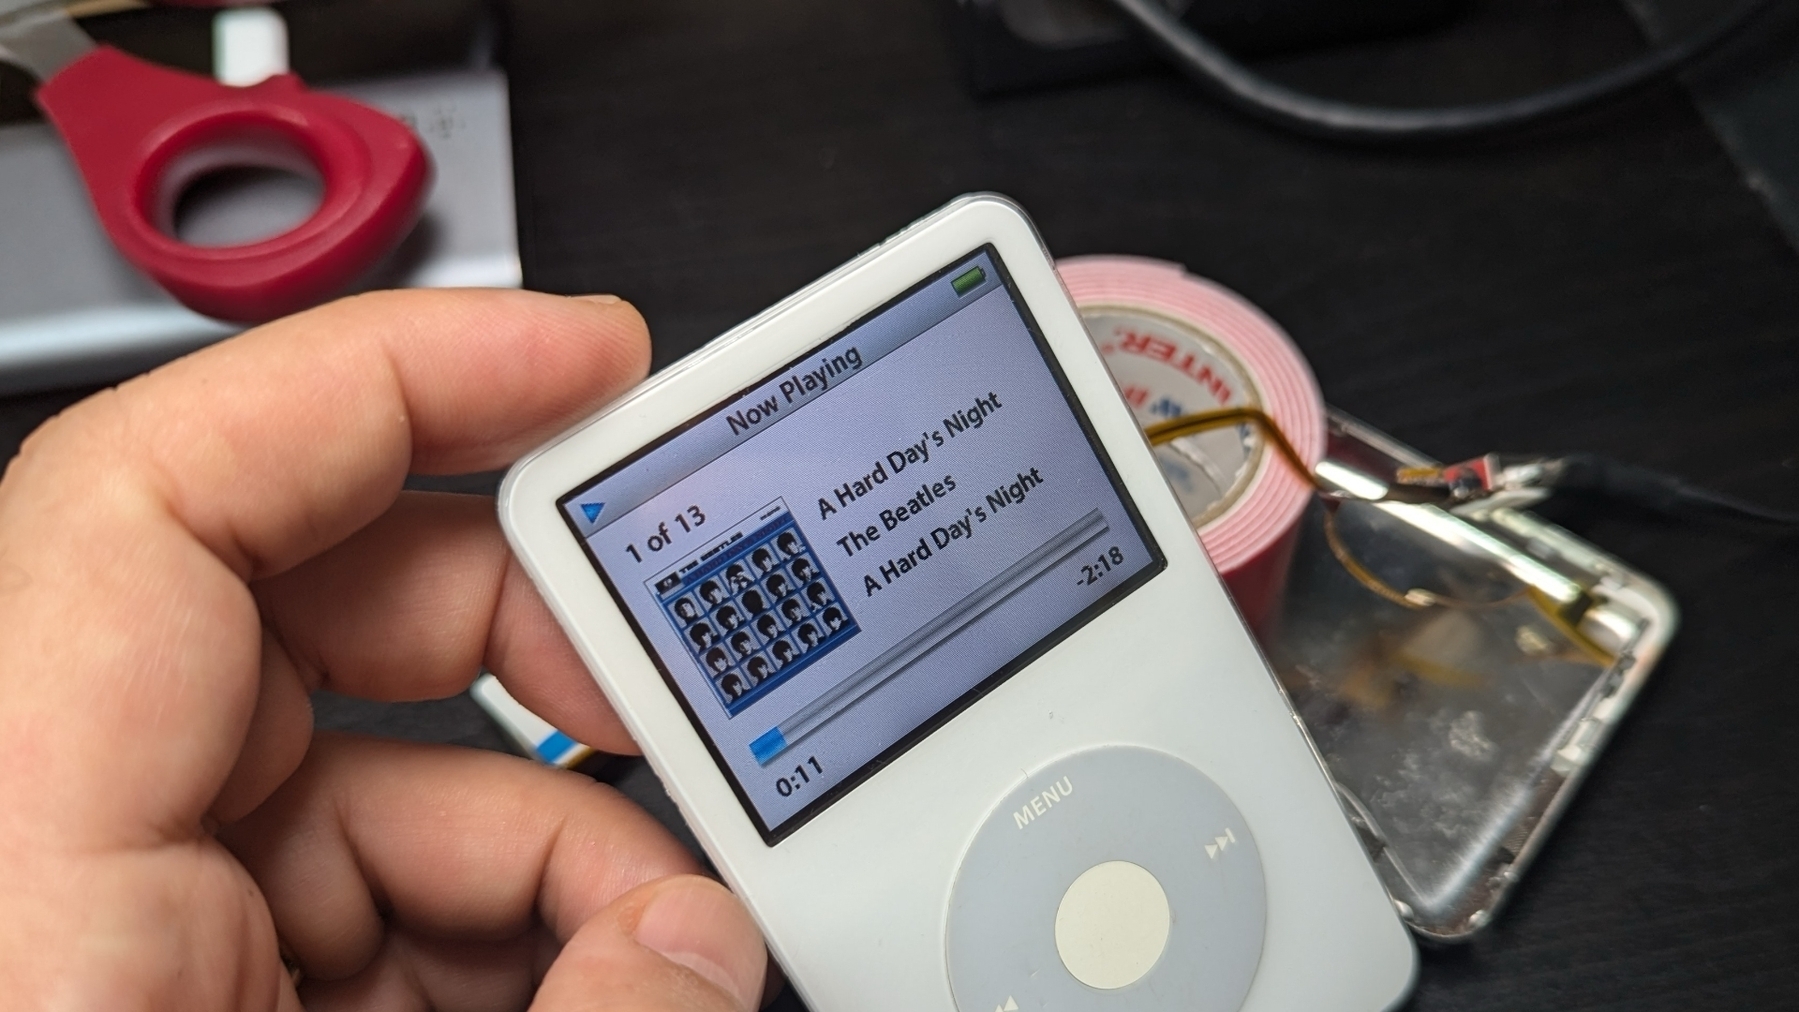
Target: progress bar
928,637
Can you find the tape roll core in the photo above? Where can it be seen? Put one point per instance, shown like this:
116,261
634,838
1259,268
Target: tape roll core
1179,344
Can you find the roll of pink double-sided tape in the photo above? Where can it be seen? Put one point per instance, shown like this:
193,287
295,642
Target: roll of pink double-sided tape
1179,345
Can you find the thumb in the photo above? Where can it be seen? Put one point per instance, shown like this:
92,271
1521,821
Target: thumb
681,944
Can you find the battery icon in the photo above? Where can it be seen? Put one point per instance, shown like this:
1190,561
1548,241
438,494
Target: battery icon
968,280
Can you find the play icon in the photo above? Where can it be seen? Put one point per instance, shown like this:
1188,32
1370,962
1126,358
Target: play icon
591,510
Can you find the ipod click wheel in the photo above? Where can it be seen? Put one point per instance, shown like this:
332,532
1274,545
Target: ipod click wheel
1115,878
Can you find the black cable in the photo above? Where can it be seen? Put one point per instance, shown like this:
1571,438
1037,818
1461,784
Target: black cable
1592,473
1241,87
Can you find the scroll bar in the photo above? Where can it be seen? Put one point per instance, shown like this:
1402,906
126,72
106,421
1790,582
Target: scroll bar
928,637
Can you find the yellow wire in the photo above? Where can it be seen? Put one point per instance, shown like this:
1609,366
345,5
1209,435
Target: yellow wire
1205,421
95,8
1563,617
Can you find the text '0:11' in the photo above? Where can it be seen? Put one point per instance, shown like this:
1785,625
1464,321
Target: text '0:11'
800,777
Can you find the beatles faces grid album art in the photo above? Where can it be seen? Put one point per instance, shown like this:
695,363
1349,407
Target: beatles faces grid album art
755,607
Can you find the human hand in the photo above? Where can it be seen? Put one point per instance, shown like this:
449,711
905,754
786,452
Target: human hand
185,559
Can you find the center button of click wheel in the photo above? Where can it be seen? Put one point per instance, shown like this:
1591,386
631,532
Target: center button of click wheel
1112,925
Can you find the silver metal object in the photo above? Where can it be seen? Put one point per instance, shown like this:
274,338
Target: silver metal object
73,312
40,38
1457,735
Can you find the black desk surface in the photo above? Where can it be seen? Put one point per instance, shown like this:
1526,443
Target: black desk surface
1610,284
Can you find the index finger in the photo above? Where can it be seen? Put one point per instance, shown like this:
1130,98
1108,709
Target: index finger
278,444
129,525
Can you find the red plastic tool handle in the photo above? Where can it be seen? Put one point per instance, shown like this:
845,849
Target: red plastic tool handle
141,133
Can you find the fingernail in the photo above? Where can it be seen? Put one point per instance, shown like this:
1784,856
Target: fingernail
604,300
701,926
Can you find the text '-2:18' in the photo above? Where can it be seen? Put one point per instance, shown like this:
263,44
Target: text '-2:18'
1103,563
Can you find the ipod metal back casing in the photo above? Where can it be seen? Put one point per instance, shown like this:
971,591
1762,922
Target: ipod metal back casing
969,724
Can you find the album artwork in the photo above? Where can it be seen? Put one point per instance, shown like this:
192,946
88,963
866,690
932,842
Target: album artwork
755,607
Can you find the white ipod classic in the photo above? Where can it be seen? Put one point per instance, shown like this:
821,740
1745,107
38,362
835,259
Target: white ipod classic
891,591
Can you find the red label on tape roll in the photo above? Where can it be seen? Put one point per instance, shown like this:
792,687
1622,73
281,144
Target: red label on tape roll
1178,345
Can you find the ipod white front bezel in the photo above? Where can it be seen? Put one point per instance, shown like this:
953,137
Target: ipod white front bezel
853,902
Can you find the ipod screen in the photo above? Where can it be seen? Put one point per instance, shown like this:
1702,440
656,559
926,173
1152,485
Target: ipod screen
839,559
